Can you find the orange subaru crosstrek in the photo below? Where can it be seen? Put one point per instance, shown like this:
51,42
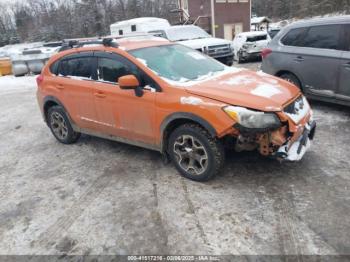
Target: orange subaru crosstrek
152,93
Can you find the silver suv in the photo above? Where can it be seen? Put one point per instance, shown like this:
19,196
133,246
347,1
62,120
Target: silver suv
315,56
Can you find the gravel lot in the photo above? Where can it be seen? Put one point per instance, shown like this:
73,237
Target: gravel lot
103,197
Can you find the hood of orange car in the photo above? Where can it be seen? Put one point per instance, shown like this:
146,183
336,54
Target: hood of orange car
247,89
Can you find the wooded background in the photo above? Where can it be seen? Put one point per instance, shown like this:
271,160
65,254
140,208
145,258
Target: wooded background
286,9
49,20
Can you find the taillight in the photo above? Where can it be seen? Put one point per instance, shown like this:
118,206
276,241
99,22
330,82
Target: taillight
265,52
39,79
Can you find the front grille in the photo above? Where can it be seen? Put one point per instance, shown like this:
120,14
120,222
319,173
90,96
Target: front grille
219,50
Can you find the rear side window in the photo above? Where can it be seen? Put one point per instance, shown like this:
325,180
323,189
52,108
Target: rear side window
324,37
78,67
294,37
54,67
109,70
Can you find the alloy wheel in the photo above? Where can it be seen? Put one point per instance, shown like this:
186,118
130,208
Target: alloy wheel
59,125
191,154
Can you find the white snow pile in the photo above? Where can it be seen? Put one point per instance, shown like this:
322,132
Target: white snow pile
210,76
238,80
266,90
10,50
191,100
11,84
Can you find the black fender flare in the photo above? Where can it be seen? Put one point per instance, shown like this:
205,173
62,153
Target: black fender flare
185,116
49,99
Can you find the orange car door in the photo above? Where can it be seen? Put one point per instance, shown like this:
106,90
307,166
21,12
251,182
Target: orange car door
76,73
121,112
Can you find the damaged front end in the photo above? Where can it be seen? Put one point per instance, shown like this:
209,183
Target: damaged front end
287,138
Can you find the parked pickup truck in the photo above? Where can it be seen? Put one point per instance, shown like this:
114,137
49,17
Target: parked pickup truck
196,38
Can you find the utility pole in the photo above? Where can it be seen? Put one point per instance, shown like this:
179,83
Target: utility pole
213,18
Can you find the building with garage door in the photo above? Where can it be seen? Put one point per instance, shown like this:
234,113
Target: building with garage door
221,18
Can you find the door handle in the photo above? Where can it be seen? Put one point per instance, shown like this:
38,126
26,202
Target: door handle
100,95
59,86
299,59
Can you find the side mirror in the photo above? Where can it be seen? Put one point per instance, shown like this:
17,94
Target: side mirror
130,82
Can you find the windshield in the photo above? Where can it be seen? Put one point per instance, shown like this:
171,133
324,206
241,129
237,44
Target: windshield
186,33
273,32
177,62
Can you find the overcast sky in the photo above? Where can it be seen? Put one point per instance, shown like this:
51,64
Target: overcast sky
10,1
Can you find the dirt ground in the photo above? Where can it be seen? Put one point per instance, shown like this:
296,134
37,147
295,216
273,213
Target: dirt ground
102,197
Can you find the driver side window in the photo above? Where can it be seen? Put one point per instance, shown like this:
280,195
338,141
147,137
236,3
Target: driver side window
112,66
109,70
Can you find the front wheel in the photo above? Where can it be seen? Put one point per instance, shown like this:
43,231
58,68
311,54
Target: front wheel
195,153
240,58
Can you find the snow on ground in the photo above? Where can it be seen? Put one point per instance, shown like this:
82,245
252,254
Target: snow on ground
12,84
9,50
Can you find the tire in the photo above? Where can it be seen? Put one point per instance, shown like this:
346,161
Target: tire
229,61
240,59
191,142
291,79
60,126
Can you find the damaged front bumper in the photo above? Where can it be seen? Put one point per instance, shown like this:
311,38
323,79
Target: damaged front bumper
295,150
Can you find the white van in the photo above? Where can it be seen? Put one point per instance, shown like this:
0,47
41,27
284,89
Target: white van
138,25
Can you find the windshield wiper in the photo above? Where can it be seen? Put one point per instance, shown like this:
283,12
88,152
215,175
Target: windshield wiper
202,37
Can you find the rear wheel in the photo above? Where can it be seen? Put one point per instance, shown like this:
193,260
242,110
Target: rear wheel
195,153
291,79
239,58
60,126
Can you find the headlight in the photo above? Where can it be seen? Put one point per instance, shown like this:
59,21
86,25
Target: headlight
252,119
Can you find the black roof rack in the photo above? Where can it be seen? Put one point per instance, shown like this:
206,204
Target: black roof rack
76,43
106,41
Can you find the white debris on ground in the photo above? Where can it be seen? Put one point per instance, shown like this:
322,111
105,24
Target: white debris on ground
11,84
